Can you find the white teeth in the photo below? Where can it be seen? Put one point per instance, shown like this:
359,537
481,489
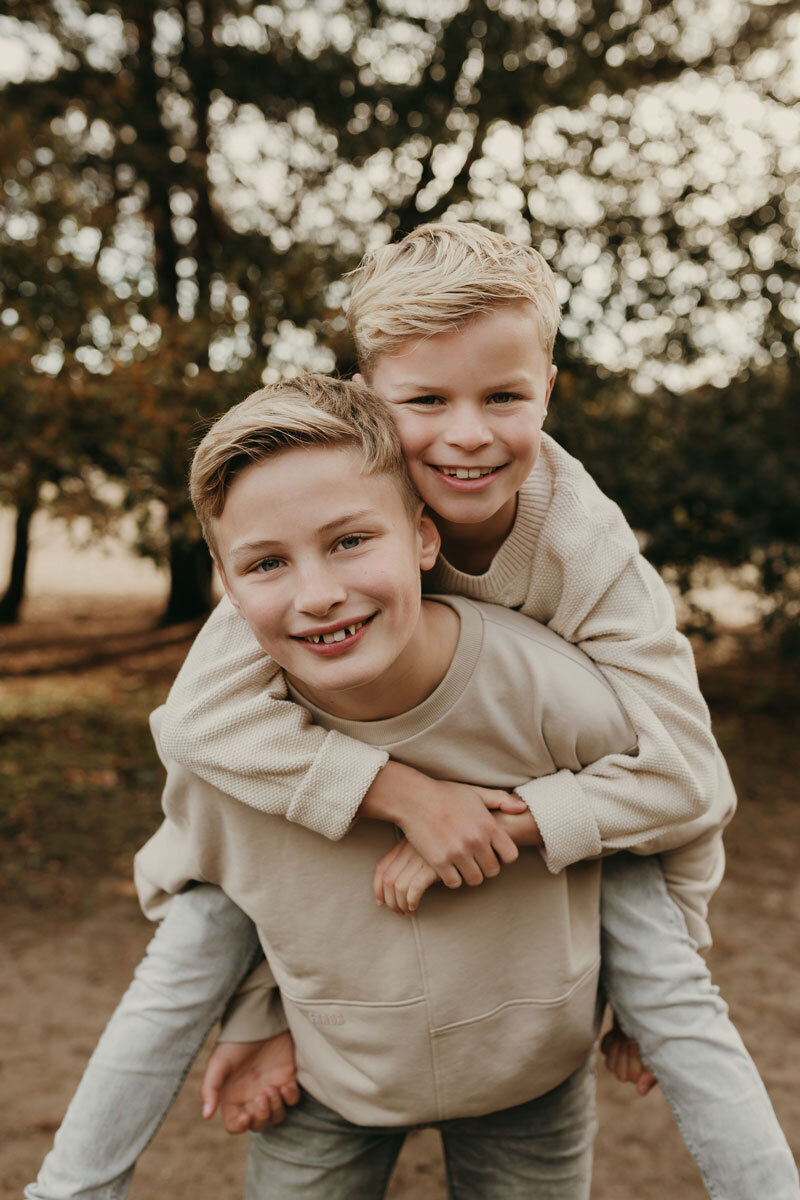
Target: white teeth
337,636
467,472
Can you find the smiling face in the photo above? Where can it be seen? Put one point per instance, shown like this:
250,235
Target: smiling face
323,562
469,405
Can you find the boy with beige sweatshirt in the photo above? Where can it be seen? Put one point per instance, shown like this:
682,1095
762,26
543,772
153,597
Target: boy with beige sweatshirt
466,372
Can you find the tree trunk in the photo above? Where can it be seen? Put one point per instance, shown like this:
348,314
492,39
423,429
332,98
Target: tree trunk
12,598
190,570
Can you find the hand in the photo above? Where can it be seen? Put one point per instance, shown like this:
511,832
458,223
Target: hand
252,1082
455,832
623,1060
450,825
401,878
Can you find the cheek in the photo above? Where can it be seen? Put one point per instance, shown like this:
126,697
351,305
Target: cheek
524,439
412,435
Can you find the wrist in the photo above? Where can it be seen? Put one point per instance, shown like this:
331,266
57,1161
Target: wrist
393,794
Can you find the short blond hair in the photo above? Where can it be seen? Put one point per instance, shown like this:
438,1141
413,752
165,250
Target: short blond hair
440,276
309,410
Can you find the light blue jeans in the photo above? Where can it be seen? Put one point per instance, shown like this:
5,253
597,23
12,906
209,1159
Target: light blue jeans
661,991
541,1149
654,978
200,952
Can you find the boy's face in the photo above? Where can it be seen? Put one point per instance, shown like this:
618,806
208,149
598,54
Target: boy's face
469,406
309,548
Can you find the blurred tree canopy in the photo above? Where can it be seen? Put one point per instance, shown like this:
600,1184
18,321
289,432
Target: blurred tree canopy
186,182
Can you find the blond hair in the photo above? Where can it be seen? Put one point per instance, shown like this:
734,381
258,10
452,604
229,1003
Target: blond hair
440,276
309,410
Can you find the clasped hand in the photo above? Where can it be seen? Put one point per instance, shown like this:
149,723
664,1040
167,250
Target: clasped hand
466,836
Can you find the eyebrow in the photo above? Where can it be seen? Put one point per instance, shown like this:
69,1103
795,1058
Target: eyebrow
261,544
432,389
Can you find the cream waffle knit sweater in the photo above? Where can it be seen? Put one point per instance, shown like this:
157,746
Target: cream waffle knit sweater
571,562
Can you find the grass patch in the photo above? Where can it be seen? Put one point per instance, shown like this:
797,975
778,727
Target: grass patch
80,787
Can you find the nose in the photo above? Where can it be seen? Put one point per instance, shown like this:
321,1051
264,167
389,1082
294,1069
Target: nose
318,590
468,428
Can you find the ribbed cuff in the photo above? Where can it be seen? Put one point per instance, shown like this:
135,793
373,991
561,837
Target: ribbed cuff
334,787
566,822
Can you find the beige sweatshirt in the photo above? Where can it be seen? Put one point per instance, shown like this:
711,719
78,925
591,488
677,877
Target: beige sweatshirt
571,562
389,1016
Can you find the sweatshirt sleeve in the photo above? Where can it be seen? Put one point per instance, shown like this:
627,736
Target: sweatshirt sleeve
615,607
228,719
255,1011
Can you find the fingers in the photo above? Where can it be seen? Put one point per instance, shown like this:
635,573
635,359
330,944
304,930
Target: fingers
470,871
646,1082
624,1061
217,1071
418,887
267,1108
234,1118
504,847
506,802
382,866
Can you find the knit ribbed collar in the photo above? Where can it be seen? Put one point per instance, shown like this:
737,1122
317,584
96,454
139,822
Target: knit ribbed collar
515,553
407,725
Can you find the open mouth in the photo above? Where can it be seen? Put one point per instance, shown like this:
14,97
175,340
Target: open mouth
342,637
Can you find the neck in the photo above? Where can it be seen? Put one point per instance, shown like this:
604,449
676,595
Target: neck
411,679
471,548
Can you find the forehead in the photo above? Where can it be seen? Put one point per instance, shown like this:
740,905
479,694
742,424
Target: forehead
303,487
508,337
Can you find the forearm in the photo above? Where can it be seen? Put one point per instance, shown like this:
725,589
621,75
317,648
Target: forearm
255,1012
627,627
193,964
521,828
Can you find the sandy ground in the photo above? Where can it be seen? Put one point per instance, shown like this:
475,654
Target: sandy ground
60,981
60,977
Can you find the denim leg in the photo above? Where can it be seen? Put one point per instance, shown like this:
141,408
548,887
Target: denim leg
660,988
318,1155
194,963
541,1149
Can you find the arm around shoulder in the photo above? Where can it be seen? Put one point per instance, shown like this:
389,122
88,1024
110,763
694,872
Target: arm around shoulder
228,718
615,607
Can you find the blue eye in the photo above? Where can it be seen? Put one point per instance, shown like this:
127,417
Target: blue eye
503,397
266,565
351,541
425,401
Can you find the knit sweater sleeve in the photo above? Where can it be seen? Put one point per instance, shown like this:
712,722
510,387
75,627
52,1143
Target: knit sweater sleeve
615,607
228,718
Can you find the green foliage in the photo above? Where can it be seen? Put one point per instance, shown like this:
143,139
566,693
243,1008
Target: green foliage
188,181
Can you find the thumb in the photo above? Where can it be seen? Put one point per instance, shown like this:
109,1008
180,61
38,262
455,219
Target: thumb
505,802
215,1075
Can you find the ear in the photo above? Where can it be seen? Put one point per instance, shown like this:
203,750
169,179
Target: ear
359,378
429,541
551,378
226,585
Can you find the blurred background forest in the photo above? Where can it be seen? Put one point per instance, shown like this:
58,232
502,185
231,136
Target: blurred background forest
184,185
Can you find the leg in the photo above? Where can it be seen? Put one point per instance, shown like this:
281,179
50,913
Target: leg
660,988
318,1155
541,1149
194,963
